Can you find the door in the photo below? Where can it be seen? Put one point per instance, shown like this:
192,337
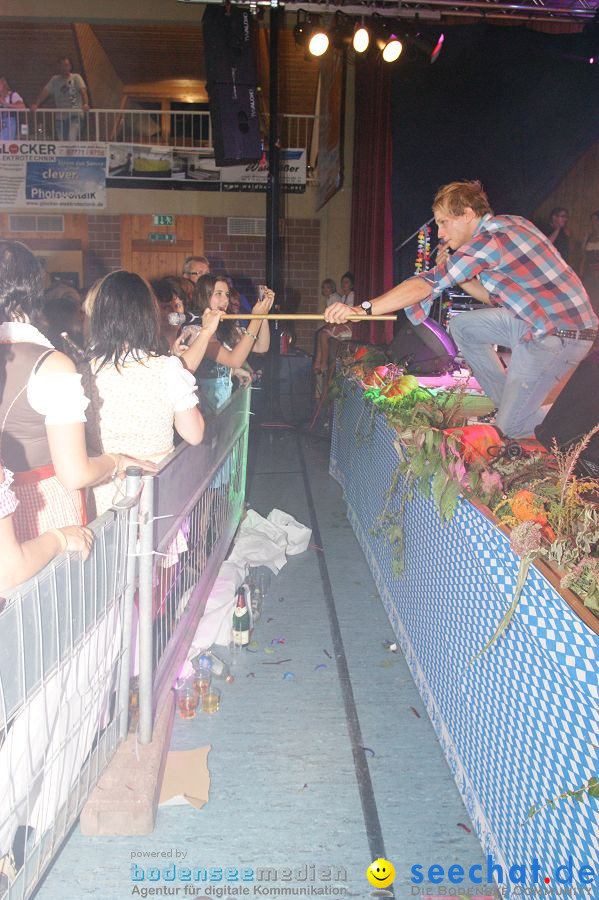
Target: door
155,251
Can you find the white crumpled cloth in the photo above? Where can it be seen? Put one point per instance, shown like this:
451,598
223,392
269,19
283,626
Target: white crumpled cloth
259,542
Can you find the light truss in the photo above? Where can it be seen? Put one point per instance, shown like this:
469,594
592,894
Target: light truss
576,12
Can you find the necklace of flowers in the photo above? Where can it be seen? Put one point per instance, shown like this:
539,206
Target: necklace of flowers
423,253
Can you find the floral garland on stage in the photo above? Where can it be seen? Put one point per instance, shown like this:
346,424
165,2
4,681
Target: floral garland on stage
553,513
423,253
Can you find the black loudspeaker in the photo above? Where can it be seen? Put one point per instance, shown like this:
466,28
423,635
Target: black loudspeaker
574,413
295,398
229,45
424,349
231,83
235,130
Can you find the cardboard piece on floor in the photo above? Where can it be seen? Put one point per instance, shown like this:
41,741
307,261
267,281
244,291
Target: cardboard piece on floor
186,778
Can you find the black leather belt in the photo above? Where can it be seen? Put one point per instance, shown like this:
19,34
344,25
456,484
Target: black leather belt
587,334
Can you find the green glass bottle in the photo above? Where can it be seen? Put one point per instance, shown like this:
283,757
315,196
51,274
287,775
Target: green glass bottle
241,621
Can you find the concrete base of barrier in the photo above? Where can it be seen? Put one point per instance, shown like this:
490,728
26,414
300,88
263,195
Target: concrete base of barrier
125,799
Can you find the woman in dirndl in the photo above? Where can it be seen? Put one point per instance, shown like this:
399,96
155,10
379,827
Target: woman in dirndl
42,409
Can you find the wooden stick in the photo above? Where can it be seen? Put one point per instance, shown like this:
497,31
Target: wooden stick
305,317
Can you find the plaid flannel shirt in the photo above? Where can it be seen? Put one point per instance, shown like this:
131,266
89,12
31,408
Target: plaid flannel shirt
522,270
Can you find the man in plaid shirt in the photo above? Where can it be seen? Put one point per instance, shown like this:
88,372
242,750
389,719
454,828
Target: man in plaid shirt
538,306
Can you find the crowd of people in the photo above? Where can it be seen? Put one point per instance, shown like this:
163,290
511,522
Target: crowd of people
90,389
343,332
68,92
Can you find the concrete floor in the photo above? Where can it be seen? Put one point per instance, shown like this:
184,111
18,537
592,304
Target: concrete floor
327,759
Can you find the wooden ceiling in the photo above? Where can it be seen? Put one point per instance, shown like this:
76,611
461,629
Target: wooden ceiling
142,54
154,53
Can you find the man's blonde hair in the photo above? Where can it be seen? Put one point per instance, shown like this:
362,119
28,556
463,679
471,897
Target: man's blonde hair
455,197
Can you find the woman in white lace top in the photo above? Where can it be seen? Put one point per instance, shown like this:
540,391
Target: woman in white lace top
138,393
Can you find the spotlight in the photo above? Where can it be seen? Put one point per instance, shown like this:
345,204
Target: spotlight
590,40
318,42
390,47
437,48
361,39
301,29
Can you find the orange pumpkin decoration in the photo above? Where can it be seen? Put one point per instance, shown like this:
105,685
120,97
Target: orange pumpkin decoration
526,507
476,442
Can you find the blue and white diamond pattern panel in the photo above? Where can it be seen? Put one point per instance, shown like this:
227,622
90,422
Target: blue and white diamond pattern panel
518,725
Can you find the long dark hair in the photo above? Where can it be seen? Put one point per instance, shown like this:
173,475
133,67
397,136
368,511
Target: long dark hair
227,333
124,318
21,283
172,286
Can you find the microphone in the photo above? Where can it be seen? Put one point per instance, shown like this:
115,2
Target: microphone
187,318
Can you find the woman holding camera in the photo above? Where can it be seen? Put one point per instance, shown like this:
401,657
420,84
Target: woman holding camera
230,346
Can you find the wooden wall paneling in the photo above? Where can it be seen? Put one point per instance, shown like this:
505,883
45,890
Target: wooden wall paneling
579,193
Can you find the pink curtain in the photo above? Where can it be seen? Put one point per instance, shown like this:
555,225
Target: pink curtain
371,227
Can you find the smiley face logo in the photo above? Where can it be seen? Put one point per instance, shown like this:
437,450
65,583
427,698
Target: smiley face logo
380,873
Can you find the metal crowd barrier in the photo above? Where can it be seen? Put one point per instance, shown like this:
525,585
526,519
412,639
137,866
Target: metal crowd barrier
197,501
62,664
68,634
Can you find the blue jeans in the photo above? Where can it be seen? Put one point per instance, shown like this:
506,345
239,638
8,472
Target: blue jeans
68,126
8,126
535,368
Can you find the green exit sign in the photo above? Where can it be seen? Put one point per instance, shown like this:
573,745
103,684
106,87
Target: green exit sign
164,220
162,236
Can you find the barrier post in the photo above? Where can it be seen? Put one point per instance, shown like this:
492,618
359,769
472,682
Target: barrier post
132,490
146,560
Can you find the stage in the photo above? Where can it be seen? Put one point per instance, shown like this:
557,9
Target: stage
518,725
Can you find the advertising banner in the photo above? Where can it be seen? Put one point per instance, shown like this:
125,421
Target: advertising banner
48,173
134,164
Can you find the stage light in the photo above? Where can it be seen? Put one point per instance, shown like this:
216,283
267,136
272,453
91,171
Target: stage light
361,39
437,48
301,29
318,42
590,40
391,48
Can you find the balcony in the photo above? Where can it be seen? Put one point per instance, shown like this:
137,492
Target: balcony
156,128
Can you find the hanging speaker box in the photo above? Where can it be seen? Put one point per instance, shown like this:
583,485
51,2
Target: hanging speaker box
231,83
229,45
235,127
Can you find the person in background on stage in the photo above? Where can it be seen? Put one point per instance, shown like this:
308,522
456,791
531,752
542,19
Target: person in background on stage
69,92
590,261
20,561
194,267
328,289
230,346
9,99
558,232
42,409
538,306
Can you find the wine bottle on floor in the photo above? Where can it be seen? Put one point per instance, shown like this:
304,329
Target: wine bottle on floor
241,621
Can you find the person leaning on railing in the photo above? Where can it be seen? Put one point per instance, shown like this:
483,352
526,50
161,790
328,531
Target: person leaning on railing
139,394
42,409
20,561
